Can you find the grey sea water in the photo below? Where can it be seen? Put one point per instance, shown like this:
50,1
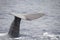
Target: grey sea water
31,30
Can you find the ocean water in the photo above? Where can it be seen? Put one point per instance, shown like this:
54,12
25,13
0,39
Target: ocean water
49,23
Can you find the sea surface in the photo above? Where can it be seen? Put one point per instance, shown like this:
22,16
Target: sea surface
31,30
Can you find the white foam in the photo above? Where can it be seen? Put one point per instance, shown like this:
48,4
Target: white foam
3,34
